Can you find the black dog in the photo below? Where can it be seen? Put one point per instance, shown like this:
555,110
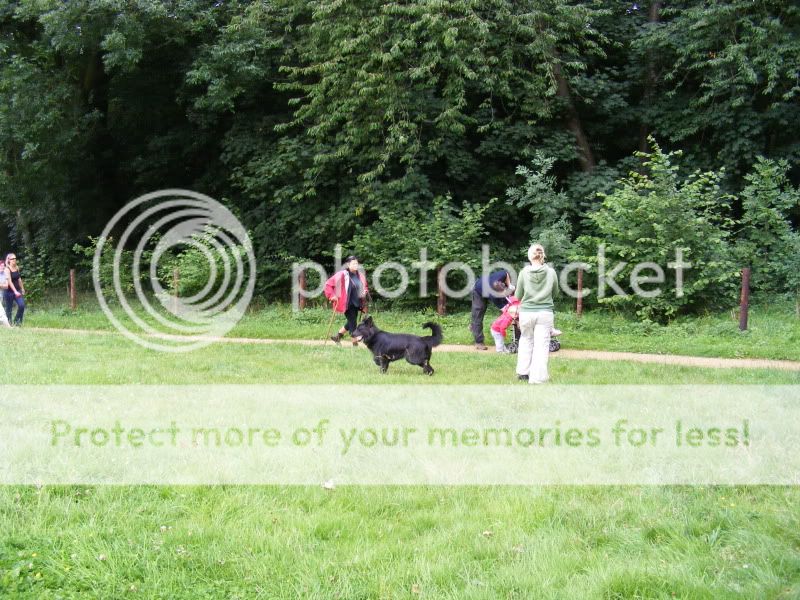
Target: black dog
387,347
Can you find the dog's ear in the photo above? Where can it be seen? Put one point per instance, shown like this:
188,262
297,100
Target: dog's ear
368,321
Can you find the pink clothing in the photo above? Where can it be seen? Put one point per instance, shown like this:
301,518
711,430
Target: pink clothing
338,286
507,316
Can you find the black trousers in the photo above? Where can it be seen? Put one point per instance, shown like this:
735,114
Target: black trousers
352,318
478,312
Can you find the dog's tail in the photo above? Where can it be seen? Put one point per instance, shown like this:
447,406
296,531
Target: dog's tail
436,338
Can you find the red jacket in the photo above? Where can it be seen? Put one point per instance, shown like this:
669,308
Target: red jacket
338,286
507,316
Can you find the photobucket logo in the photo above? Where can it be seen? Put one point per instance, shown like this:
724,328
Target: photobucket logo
608,279
163,227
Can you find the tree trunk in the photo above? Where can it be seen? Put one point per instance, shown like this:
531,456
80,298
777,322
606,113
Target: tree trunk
650,82
744,303
585,154
23,227
441,298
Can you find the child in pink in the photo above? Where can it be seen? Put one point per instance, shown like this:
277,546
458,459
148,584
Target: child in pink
507,317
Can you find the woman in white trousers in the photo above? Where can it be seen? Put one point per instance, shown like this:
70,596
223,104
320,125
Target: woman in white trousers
536,285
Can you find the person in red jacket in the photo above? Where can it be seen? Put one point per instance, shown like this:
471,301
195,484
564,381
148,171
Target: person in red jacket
347,290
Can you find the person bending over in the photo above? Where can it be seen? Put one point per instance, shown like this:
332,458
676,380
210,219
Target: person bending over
494,288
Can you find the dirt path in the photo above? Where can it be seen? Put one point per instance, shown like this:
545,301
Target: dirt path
662,359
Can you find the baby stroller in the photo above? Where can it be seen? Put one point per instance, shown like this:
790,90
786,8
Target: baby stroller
513,346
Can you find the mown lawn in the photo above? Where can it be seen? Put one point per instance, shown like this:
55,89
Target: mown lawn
381,542
53,357
394,542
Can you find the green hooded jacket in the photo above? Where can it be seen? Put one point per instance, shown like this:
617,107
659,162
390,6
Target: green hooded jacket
536,286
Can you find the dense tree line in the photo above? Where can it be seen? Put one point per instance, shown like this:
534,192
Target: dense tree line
321,122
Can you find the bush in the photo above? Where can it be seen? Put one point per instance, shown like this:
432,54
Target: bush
648,218
36,272
766,241
106,270
791,268
194,267
447,233
191,262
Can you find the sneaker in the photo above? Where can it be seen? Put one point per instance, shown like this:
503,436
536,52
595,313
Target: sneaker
555,332
481,347
503,350
337,338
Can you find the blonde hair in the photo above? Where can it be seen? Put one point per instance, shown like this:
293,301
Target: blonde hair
537,251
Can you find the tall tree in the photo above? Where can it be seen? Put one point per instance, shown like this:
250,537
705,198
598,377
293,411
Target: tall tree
730,90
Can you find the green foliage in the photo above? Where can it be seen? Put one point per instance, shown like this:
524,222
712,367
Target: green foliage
445,234
200,264
767,242
108,258
315,120
426,96
549,209
649,217
728,73
38,275
88,112
192,261
791,268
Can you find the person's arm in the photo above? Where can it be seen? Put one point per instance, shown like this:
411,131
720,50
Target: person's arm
365,295
22,286
331,289
520,291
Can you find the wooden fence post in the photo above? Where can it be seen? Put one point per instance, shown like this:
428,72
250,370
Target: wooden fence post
441,300
176,279
744,303
73,296
301,285
579,301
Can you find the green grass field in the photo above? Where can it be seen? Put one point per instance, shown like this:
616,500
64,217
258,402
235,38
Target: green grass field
290,542
384,542
774,330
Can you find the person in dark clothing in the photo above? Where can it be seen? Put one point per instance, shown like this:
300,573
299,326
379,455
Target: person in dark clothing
347,290
494,288
15,291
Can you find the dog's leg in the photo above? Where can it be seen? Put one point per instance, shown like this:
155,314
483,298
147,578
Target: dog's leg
414,357
377,360
427,368
384,363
